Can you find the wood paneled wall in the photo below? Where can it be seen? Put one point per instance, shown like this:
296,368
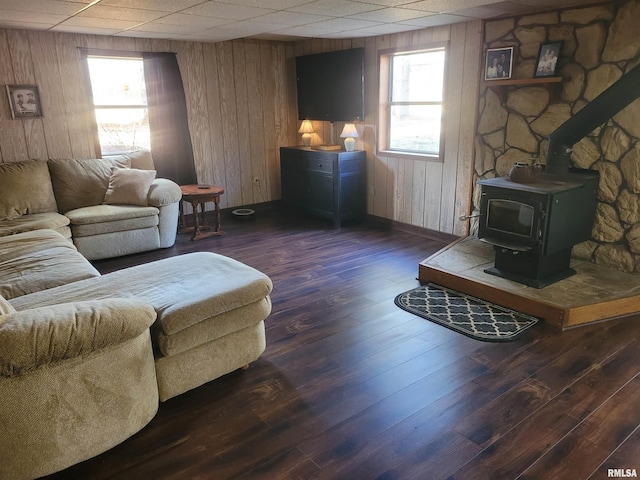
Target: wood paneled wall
238,97
423,193
241,99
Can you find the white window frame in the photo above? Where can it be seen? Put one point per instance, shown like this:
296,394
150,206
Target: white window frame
385,103
113,55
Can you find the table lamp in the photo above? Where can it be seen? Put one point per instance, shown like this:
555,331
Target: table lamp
349,133
306,129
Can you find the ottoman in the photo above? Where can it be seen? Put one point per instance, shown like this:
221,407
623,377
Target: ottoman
210,309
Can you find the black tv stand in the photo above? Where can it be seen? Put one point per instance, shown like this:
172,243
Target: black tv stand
328,184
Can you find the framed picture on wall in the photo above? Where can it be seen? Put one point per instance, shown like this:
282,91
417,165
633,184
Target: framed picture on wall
499,63
547,63
24,101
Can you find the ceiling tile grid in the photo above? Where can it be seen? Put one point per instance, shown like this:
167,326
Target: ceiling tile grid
286,20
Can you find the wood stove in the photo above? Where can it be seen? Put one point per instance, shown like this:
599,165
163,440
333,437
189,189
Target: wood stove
533,226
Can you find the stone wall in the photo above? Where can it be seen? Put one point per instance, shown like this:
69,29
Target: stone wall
600,44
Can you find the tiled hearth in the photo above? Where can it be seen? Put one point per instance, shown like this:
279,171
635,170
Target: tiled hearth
594,293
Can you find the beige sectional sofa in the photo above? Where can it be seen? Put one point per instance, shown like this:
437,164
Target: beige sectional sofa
109,207
85,357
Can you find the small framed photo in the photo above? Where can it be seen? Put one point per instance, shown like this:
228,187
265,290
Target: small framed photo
547,64
24,101
499,64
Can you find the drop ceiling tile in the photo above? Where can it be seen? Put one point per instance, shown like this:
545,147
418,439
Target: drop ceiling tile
335,8
498,9
384,29
444,6
166,29
245,29
24,25
120,13
43,6
292,19
190,20
31,17
158,5
343,24
387,3
272,4
435,20
85,30
305,31
226,10
552,4
389,15
90,22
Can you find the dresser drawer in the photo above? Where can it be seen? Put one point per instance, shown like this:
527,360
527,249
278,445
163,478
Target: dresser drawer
320,164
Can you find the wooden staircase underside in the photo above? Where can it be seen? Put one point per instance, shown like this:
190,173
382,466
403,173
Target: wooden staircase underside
595,293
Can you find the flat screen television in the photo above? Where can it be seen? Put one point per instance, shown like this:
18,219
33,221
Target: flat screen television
330,86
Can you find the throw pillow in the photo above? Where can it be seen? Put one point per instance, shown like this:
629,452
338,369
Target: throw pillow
25,189
141,159
82,183
129,186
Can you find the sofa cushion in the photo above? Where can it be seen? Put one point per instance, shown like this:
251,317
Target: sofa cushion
36,221
213,328
129,186
26,188
81,183
101,219
5,307
164,192
44,336
117,244
141,159
39,260
108,213
185,290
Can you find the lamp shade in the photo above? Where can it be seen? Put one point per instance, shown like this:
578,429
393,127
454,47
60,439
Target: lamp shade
349,131
306,127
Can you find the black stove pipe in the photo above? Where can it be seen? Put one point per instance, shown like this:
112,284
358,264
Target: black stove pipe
600,110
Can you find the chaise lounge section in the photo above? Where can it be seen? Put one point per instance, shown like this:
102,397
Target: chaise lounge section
90,339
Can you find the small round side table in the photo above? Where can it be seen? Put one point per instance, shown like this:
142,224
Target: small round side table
199,195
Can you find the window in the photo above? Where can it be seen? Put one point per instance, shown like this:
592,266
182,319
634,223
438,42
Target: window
411,96
120,102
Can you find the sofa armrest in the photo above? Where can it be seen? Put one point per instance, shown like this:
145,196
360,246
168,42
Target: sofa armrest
35,338
163,192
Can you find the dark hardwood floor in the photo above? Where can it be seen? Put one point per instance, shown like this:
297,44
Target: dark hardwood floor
352,387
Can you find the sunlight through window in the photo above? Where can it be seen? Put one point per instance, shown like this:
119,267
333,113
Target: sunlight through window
120,102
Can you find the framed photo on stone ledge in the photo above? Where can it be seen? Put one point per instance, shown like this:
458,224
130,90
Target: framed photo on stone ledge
547,63
499,63
24,101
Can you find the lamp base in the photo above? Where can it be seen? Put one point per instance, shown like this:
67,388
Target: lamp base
349,144
306,139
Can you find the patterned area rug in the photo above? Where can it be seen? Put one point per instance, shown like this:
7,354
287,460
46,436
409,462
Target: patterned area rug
464,314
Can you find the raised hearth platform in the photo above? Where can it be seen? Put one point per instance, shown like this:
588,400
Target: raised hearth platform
594,293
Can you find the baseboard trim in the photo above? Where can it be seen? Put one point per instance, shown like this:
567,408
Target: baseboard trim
371,219
412,229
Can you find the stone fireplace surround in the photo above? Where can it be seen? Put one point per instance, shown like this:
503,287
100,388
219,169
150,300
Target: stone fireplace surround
600,44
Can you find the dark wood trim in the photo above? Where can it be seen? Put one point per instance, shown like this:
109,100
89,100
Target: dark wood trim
412,229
